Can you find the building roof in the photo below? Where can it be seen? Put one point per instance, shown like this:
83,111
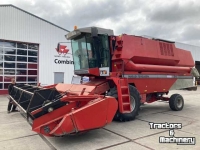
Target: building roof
10,5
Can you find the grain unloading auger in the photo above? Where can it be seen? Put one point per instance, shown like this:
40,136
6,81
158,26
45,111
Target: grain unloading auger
125,71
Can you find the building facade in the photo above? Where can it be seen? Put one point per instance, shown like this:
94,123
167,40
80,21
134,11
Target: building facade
28,50
195,51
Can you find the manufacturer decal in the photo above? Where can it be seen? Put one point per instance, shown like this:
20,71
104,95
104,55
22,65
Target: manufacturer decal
62,49
63,52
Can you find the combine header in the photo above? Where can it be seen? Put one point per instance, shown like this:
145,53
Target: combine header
125,71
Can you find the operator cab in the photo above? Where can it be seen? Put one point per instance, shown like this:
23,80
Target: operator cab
90,49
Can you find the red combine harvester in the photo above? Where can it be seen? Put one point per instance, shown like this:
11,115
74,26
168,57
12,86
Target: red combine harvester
125,71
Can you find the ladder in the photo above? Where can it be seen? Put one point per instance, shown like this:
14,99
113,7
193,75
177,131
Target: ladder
124,96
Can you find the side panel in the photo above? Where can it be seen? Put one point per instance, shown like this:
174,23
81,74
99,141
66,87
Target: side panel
151,52
146,51
160,85
152,85
182,83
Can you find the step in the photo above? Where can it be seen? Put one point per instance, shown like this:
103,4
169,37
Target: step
125,98
127,111
117,55
119,48
123,83
125,95
124,87
126,103
124,90
126,108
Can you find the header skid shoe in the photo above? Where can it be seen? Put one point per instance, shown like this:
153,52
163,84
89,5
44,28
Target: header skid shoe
56,113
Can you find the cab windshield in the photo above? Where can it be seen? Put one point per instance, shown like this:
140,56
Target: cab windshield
90,52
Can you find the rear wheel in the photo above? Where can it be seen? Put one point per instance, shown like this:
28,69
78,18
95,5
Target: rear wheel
176,102
135,104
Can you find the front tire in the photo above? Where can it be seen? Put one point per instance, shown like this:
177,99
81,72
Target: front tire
135,104
176,102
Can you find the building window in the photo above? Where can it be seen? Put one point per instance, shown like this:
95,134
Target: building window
18,60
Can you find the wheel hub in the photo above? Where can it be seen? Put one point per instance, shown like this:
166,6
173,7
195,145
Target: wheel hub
132,99
179,103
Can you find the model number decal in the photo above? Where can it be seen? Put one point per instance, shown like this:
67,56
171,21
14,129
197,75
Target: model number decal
158,76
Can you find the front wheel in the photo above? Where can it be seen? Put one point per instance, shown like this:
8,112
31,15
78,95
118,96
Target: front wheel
176,102
135,104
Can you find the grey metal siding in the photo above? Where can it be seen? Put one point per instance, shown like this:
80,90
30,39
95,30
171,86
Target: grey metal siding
195,50
17,25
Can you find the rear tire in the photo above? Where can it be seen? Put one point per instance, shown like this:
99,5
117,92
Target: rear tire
135,104
176,102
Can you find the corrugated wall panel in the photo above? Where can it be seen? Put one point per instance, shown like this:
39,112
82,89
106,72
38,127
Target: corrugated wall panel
17,25
195,50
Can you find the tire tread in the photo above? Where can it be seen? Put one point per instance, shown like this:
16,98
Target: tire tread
128,116
172,102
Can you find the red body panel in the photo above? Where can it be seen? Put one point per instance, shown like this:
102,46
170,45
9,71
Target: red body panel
145,60
69,119
151,52
130,66
74,88
152,85
140,54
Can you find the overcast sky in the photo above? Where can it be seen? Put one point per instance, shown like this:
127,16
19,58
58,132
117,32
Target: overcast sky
177,20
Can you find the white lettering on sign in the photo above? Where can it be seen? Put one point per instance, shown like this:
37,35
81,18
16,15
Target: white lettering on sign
172,138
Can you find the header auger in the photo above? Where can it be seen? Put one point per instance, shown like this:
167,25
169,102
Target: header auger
125,71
